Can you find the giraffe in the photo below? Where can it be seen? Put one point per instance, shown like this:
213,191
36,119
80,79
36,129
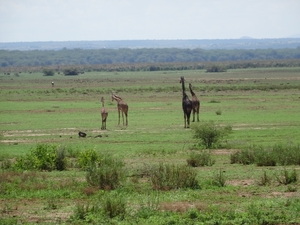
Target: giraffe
104,115
195,104
186,105
122,107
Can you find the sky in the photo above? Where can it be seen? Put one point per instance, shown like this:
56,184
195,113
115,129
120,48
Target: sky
92,20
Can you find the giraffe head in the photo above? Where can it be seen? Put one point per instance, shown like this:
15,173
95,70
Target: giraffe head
181,79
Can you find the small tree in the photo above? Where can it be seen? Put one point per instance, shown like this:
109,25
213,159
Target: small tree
48,72
210,134
71,72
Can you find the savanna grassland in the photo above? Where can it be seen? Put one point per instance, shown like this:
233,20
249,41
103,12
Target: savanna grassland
261,106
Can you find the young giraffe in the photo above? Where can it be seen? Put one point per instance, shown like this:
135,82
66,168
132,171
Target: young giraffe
122,107
104,115
195,104
186,105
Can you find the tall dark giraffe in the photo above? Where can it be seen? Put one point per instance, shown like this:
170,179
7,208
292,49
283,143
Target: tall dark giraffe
186,105
104,115
195,104
122,107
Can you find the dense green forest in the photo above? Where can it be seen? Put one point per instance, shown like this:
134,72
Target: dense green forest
36,58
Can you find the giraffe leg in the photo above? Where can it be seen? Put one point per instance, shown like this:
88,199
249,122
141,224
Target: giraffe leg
193,116
184,120
119,118
126,119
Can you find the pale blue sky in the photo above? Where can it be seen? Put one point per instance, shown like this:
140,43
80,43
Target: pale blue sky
75,20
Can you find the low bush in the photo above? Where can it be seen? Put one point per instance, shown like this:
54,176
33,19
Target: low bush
43,157
204,158
107,174
268,156
167,177
244,157
209,134
86,158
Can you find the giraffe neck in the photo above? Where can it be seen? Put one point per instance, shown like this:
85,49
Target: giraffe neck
192,93
118,99
183,87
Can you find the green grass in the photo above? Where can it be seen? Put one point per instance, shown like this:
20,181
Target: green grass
261,105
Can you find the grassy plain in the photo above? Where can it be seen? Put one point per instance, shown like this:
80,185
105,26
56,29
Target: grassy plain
261,105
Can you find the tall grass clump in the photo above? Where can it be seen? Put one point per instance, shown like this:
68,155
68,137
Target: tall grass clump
107,174
219,179
104,208
204,158
43,157
287,177
170,176
210,135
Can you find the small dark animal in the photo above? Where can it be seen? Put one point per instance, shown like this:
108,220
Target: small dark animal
81,134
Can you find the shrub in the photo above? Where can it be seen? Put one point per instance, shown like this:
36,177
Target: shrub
43,157
61,160
268,156
107,174
244,157
71,72
265,157
219,112
215,68
48,72
204,158
287,154
87,157
210,134
167,177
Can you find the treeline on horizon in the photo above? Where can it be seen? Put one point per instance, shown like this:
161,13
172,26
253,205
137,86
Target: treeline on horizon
37,58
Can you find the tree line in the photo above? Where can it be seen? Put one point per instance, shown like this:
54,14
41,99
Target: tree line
82,57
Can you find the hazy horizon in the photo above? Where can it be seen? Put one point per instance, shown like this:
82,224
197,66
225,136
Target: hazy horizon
99,20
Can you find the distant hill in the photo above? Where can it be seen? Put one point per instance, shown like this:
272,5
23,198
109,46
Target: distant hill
242,43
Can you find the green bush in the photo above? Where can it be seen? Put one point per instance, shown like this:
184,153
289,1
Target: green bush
215,69
167,177
48,72
71,72
87,157
204,158
43,157
245,157
210,134
268,156
107,174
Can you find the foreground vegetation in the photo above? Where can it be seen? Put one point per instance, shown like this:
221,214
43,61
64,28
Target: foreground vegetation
153,171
